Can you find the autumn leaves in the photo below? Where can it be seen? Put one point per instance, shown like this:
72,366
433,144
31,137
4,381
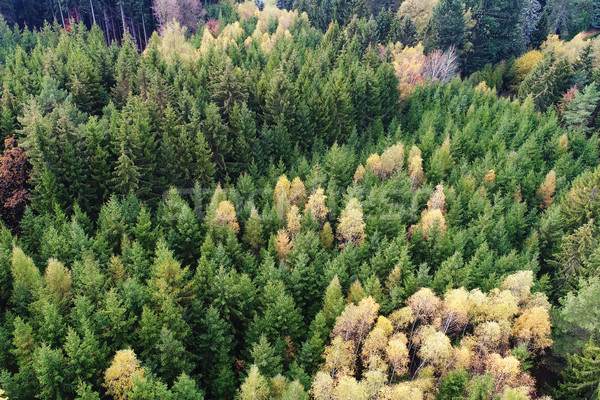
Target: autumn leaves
412,350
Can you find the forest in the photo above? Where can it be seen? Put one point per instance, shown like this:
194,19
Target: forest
294,200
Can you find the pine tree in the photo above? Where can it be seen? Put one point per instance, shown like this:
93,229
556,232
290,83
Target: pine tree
596,15
185,388
172,356
83,354
214,358
547,81
255,386
540,34
216,134
126,175
449,24
8,120
582,375
50,367
265,357
581,110
253,234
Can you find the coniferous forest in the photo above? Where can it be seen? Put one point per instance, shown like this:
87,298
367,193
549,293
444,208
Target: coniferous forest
294,200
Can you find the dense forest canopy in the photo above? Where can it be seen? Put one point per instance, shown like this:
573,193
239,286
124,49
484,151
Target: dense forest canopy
319,199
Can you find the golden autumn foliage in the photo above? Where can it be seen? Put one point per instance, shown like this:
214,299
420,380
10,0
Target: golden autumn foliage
397,354
519,284
392,159
546,190
419,11
408,63
119,377
293,221
370,355
356,320
374,163
415,168
425,305
433,216
571,49
533,328
226,216
351,224
431,219
285,20
563,143
455,311
282,244
437,201
339,357
297,194
490,176
282,188
359,174
389,163
373,348
505,370
524,64
316,205
435,348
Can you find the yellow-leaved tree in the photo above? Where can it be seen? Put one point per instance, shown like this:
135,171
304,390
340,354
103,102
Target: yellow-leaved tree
351,224
316,205
546,190
297,195
226,216
415,168
408,354
282,188
119,376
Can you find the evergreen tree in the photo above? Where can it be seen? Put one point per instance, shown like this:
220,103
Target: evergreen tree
582,375
540,34
449,24
596,15
126,175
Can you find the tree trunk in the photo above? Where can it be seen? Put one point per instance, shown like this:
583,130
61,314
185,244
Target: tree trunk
132,32
62,17
139,35
114,27
52,8
93,15
145,36
122,17
107,27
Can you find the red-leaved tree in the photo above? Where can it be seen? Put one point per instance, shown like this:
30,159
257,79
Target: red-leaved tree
14,183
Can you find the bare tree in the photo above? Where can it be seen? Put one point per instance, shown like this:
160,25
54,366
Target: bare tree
186,12
441,65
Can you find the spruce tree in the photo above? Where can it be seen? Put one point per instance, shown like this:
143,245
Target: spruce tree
126,175
449,24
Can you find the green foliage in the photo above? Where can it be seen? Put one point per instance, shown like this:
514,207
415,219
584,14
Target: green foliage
547,81
138,158
582,375
453,386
